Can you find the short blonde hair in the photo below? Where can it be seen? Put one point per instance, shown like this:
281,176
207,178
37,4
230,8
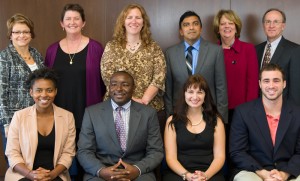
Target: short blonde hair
22,19
120,31
230,15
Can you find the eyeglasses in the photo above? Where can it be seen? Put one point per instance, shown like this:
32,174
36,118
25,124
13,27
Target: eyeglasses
18,33
187,24
275,22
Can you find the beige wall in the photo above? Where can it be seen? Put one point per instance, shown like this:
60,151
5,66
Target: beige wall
164,16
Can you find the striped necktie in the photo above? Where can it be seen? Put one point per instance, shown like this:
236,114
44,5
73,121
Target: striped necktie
189,60
120,128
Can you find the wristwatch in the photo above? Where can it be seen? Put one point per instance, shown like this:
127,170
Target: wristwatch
184,175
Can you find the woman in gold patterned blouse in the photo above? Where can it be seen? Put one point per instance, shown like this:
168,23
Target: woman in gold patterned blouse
133,50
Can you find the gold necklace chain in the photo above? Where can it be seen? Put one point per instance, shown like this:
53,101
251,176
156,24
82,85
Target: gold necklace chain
72,57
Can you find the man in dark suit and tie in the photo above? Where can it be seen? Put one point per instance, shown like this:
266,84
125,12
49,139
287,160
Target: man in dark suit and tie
120,138
265,133
282,52
195,55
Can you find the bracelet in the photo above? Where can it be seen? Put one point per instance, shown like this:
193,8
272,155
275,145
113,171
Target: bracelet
184,175
28,173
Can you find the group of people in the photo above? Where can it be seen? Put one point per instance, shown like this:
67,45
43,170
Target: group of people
124,108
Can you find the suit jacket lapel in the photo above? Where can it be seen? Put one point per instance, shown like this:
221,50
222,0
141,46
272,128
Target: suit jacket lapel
280,48
262,123
201,55
58,133
31,120
134,121
108,121
260,53
284,122
182,59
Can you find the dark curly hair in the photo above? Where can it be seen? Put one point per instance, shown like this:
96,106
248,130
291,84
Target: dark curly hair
43,73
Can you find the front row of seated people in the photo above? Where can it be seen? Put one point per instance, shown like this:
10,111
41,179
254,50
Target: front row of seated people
120,138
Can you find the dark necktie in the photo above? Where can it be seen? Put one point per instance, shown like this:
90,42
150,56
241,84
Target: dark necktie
189,60
267,57
120,128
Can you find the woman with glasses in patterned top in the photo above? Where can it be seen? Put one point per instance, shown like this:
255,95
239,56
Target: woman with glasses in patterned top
17,61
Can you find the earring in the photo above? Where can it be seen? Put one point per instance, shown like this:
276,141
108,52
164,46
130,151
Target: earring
63,28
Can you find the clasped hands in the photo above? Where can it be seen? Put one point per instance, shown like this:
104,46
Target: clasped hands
273,175
41,174
121,171
196,176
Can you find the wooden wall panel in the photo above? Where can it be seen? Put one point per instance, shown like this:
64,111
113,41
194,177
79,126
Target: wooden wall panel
251,13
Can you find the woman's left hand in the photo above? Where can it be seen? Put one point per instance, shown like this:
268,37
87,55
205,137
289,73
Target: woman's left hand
201,175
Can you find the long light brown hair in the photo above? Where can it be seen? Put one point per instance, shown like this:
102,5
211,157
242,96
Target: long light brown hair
120,31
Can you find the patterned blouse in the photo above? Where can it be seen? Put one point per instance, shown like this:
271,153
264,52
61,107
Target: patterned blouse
147,66
14,95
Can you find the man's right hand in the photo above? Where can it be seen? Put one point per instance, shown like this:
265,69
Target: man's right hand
114,172
265,175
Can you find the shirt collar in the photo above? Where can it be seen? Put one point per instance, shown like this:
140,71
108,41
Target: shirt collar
275,42
196,45
125,106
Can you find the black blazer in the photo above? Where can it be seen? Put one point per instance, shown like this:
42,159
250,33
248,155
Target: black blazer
286,55
251,146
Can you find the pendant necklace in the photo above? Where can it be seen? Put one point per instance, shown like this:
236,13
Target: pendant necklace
26,58
134,47
72,57
199,121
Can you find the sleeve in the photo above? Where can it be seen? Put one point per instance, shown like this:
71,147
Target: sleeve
51,54
221,85
13,148
68,151
87,146
159,74
239,144
169,87
294,75
292,166
154,148
252,74
4,93
107,63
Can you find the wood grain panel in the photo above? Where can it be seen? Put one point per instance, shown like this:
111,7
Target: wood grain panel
251,13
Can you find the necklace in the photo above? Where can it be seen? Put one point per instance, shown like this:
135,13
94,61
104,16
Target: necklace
72,57
26,58
133,47
199,122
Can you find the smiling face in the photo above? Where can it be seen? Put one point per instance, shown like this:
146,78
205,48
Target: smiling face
272,85
20,35
273,25
194,97
43,93
190,29
227,29
133,22
72,22
121,88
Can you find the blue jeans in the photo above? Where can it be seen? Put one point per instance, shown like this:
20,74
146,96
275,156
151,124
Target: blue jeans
4,140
